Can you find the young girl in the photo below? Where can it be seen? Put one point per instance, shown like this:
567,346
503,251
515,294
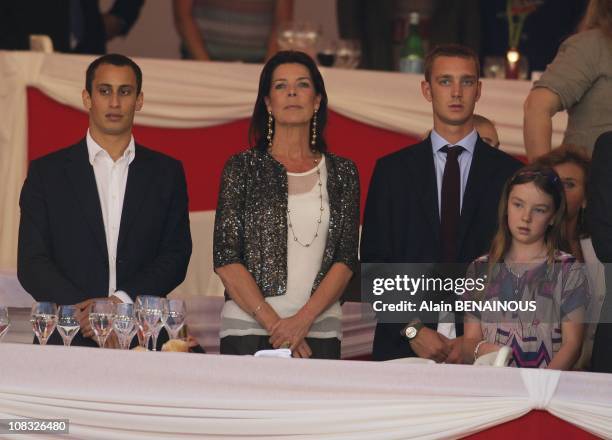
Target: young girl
546,287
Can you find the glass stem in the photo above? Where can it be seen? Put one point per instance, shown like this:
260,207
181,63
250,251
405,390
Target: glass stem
155,334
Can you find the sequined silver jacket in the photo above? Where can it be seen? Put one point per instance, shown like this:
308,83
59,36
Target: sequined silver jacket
251,218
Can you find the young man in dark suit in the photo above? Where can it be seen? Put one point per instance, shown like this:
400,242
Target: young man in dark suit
436,201
105,217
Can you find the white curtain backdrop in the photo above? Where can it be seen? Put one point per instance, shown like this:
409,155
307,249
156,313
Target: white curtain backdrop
195,94
130,395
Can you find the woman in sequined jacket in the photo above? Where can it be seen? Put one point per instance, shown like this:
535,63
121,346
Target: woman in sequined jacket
287,222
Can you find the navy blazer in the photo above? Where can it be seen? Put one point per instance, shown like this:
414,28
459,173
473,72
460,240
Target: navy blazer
62,253
401,219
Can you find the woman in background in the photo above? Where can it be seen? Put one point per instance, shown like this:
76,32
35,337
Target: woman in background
578,80
287,221
230,30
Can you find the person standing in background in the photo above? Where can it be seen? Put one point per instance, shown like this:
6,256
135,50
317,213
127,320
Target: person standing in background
486,130
545,28
578,81
76,26
230,30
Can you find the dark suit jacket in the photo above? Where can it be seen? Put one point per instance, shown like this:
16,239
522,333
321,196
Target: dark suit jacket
599,209
401,219
62,254
19,19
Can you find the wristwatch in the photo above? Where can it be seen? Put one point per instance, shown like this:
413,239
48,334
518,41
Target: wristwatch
412,329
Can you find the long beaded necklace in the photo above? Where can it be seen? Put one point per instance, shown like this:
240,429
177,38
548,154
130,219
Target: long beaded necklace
290,222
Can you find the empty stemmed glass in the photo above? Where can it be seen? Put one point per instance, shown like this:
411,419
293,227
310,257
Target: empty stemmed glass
124,324
348,54
176,317
150,315
67,323
101,320
159,323
44,320
4,321
301,36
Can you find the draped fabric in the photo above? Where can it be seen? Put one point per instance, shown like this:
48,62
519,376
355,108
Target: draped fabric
131,395
373,113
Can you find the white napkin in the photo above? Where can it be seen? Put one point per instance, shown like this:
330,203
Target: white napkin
279,353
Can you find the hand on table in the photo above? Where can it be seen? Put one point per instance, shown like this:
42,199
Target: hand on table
454,357
429,344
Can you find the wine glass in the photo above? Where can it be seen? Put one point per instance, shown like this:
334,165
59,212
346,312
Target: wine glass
301,36
326,52
494,67
67,324
101,319
4,321
176,317
159,324
141,323
44,320
124,324
348,54
150,311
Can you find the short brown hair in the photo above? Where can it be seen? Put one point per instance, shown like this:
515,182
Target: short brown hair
568,153
580,157
450,50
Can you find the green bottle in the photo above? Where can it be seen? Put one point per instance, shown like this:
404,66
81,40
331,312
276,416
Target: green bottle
412,54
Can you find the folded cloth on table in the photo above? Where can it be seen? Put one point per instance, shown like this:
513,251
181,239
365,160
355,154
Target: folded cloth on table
279,353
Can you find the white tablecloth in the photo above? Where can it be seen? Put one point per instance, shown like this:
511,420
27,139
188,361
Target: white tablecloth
110,394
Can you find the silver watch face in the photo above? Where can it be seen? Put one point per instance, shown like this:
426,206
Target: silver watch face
411,332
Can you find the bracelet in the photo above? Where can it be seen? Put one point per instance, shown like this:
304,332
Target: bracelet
257,309
478,348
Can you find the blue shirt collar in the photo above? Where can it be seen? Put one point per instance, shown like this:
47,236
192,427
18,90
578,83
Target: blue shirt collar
468,142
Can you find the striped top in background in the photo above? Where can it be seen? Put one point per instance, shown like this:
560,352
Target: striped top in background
235,30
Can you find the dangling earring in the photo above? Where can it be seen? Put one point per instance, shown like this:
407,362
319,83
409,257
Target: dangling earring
313,137
270,131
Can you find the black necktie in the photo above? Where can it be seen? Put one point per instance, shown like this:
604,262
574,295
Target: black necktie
450,203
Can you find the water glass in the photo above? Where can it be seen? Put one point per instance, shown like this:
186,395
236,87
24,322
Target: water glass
176,317
348,54
67,323
44,320
124,324
302,36
101,319
150,310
